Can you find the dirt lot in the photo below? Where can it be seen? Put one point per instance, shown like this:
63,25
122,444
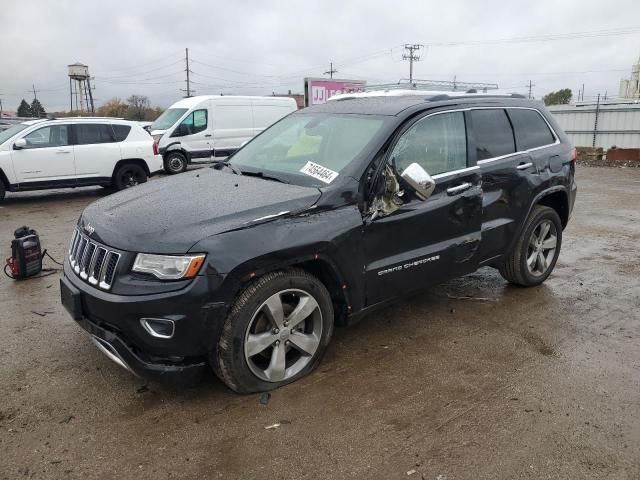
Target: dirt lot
529,383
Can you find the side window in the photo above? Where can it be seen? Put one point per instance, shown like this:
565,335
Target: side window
51,136
530,128
493,133
120,132
438,143
195,122
90,133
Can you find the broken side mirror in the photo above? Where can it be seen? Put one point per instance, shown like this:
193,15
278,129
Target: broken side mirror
419,180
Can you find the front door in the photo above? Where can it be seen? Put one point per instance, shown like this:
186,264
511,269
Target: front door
425,242
195,134
46,159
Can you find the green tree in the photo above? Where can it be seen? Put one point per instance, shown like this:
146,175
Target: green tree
561,97
24,110
37,110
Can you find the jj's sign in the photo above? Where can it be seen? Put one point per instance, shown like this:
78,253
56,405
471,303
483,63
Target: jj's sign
318,90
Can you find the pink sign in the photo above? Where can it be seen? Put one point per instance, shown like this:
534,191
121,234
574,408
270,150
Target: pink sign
322,90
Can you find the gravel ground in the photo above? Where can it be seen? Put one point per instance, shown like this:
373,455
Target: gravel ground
510,383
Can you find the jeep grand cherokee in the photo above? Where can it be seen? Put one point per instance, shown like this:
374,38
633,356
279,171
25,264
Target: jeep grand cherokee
328,214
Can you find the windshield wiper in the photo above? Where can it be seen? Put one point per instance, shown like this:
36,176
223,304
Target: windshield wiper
225,163
262,175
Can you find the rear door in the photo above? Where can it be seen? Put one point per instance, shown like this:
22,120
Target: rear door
534,135
96,151
47,158
505,183
426,242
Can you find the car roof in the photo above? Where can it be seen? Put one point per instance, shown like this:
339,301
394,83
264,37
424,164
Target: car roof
108,120
394,104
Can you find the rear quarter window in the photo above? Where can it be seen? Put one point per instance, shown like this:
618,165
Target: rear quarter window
530,128
121,132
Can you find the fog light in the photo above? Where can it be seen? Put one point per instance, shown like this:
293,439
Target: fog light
158,327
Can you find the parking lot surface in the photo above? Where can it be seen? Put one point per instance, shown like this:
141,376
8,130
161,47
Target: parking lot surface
471,379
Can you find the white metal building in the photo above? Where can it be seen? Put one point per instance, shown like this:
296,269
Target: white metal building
609,124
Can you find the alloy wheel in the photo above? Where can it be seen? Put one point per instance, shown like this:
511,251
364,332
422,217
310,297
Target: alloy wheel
283,335
542,248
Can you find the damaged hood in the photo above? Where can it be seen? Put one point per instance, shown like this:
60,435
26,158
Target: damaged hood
172,214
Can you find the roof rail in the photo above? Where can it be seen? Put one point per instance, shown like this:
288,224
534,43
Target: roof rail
470,93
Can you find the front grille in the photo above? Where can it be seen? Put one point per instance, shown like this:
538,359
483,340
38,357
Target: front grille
91,261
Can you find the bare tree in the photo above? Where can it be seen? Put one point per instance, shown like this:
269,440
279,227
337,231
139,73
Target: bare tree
138,106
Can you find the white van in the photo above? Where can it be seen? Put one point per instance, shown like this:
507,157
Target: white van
213,126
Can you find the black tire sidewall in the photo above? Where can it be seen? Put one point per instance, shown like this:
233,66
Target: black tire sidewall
2,191
167,163
542,215
118,180
244,381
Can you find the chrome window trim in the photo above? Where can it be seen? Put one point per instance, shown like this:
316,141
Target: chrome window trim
454,172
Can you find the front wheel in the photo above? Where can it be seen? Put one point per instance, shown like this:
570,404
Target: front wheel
129,175
536,251
175,162
276,332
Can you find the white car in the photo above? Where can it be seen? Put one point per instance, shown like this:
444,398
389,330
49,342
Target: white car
75,152
213,126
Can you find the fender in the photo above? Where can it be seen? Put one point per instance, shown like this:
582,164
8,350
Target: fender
534,202
172,147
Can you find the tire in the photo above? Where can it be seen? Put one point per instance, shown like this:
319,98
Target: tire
535,243
247,365
129,175
175,162
2,191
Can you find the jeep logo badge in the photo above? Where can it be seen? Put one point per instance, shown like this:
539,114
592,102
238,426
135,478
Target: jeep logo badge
89,229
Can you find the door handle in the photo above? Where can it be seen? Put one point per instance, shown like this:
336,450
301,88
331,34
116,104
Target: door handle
524,166
207,135
60,152
459,188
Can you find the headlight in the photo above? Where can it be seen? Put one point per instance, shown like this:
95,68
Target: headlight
168,267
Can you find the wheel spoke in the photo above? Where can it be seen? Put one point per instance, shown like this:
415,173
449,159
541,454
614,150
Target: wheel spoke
533,241
531,260
277,366
304,342
273,309
257,343
544,230
550,242
306,306
542,262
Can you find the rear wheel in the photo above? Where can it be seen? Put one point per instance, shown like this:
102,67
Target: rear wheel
175,162
276,332
129,175
2,191
536,251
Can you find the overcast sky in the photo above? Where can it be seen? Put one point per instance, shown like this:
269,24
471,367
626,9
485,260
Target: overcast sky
258,47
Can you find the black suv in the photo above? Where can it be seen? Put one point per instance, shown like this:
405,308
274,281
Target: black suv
328,214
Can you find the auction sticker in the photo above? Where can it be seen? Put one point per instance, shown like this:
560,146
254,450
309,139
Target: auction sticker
319,172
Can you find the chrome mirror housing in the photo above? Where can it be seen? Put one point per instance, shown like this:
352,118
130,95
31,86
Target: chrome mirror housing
419,180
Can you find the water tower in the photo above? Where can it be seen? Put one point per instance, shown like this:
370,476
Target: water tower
80,88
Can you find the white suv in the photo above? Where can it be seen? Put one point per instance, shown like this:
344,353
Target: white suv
74,152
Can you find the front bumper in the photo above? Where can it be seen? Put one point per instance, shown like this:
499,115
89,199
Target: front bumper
113,322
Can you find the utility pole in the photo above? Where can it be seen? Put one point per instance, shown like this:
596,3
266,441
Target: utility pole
0,108
186,50
583,92
331,70
455,86
531,85
412,57
595,124
35,96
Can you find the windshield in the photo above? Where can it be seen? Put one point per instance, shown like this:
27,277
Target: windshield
10,132
308,149
168,119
